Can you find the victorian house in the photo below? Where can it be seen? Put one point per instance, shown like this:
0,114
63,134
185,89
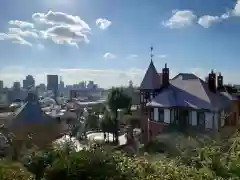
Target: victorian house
185,101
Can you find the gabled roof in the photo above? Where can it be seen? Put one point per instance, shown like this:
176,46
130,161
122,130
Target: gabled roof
29,113
187,90
151,79
185,76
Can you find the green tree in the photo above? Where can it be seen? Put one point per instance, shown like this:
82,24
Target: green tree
117,99
92,121
107,124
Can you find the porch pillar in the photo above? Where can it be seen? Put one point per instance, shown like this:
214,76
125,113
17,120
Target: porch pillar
208,120
216,121
194,118
167,116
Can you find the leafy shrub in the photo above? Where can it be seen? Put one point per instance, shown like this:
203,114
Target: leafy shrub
13,171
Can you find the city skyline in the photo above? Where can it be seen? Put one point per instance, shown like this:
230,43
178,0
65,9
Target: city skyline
29,81
104,41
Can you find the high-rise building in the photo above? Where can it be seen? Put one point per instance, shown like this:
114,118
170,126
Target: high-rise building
52,84
16,85
28,82
1,85
42,87
90,85
61,84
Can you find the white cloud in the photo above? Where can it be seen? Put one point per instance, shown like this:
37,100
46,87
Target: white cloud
132,56
180,19
162,56
236,9
14,38
109,55
65,35
226,15
22,33
60,18
21,24
62,29
103,23
206,21
66,29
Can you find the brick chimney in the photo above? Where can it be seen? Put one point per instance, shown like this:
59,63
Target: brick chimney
219,82
212,81
165,76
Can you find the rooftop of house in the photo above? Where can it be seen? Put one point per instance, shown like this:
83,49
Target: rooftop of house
185,90
29,113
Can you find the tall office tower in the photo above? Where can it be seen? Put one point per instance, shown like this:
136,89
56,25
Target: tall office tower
1,85
28,82
16,85
52,84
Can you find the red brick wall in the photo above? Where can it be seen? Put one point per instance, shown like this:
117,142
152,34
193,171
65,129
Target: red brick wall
154,129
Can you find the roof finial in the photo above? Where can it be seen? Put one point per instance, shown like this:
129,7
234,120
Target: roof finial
151,55
165,65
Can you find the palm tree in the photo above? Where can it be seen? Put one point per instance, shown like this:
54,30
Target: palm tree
117,99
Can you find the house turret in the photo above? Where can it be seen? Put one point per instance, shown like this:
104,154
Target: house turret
150,85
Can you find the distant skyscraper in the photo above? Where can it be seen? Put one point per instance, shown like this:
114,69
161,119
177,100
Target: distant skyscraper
28,82
90,85
1,85
52,84
61,84
16,85
42,87
130,84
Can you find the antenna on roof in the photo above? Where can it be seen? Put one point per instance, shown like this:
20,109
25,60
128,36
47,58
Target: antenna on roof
151,53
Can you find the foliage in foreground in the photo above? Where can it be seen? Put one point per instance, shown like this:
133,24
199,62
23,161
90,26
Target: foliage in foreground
67,164
211,162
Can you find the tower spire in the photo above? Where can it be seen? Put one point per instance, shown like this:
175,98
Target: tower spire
151,53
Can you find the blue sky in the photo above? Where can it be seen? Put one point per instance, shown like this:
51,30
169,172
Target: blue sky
108,41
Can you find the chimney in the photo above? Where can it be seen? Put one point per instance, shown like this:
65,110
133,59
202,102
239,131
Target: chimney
212,81
219,82
165,76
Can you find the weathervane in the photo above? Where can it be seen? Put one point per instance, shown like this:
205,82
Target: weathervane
151,49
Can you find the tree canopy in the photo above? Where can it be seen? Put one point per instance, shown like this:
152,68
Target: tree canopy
118,99
215,161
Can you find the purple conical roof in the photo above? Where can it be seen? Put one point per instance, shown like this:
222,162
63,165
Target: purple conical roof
151,79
